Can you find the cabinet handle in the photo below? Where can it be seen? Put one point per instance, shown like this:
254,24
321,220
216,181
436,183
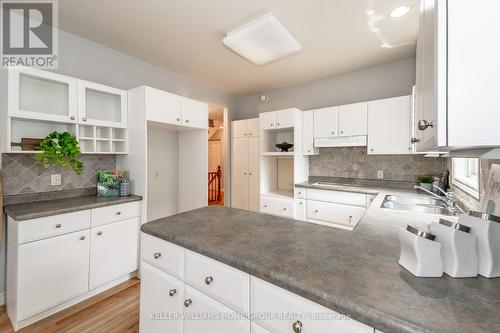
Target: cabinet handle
244,134
284,209
297,327
333,132
249,134
188,302
424,124
72,117
272,125
315,210
265,206
82,237
99,233
157,255
84,119
178,119
58,225
187,120
209,280
249,173
372,149
118,213
414,140
172,292
277,124
300,202
341,132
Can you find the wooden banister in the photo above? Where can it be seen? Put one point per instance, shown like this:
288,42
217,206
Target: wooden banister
214,185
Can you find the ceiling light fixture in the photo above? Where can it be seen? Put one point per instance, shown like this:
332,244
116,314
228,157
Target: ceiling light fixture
262,40
400,11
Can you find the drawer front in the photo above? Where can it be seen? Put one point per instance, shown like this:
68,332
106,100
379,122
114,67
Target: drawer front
334,213
300,193
300,209
268,298
114,213
163,255
50,226
222,282
276,206
346,198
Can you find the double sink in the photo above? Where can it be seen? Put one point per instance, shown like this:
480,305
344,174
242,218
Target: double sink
417,205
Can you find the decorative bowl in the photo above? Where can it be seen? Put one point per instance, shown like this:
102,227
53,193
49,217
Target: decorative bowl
284,146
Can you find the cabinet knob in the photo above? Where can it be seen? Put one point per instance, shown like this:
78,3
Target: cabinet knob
118,213
277,124
157,255
82,237
84,119
300,202
414,140
265,206
245,173
341,132
58,225
209,280
187,120
99,233
315,210
172,292
250,134
272,125
333,132
72,117
372,149
188,302
178,119
244,134
297,327
424,124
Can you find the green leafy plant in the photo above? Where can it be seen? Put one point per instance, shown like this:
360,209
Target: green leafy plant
60,148
426,179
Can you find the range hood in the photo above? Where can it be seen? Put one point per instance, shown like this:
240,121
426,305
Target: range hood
341,141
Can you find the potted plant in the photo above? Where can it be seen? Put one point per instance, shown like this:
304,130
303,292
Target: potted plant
426,182
60,148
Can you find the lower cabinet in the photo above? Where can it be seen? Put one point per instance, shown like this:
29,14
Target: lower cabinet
52,271
277,206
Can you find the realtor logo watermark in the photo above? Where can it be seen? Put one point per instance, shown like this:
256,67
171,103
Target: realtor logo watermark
29,33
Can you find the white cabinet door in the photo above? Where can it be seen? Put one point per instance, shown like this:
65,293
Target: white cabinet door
308,133
162,298
52,271
113,251
239,171
253,127
353,119
267,120
36,94
101,105
326,122
389,126
285,118
253,174
194,113
162,106
198,304
300,209
239,129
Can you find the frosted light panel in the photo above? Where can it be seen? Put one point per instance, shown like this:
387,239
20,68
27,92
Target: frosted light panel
262,41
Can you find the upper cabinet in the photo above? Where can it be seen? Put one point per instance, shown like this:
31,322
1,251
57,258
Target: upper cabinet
36,94
353,119
326,122
277,119
245,128
457,67
389,126
101,105
308,133
167,108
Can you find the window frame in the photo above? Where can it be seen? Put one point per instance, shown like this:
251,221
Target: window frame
465,175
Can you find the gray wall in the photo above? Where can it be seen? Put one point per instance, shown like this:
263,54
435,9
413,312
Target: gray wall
389,80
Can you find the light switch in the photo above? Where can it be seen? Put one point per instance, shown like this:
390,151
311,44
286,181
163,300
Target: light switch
55,180
380,174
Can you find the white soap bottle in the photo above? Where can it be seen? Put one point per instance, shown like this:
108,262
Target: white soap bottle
487,229
458,251
420,254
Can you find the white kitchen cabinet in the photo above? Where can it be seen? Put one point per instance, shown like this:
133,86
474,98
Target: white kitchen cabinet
105,243
162,298
41,95
51,271
198,304
166,256
326,122
279,119
389,125
353,119
194,113
300,209
101,105
245,156
308,133
267,120
277,206
162,106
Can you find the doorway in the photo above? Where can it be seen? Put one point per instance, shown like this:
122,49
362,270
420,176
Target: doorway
216,156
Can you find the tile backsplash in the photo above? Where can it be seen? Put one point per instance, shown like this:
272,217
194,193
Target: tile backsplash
353,162
21,175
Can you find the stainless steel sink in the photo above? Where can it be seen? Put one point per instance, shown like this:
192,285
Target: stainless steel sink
416,205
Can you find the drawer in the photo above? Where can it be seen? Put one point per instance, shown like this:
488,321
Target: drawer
277,206
346,198
300,193
114,213
334,213
300,209
268,298
50,226
220,281
163,255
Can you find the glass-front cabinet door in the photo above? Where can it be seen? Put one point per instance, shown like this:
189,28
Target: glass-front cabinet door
101,105
35,94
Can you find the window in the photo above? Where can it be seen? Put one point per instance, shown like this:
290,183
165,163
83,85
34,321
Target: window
466,175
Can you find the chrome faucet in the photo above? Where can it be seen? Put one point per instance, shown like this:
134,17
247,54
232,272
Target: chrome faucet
449,199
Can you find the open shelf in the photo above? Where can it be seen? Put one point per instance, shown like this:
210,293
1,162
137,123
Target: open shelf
269,139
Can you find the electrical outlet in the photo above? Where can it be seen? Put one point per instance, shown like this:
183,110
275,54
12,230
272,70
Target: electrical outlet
55,180
380,174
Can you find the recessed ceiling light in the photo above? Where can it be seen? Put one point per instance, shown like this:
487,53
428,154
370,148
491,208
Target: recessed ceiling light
400,11
263,40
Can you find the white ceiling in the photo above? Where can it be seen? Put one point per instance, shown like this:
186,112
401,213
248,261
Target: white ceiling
185,36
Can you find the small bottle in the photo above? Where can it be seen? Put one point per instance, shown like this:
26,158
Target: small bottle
458,251
420,253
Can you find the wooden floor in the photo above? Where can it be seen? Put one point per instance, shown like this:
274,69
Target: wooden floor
115,310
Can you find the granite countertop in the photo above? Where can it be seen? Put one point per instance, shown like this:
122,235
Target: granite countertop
351,272
32,210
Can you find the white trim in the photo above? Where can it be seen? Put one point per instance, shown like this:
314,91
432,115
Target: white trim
467,189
